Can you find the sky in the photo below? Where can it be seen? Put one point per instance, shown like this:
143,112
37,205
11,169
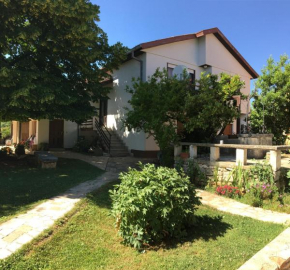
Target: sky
257,28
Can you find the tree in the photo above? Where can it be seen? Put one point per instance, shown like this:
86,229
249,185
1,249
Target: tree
53,58
271,105
160,102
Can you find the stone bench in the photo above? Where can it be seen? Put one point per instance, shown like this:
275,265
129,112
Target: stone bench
46,160
241,152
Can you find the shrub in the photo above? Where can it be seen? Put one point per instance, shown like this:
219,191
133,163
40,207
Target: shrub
228,191
3,152
43,146
195,174
263,173
20,149
82,145
264,191
153,204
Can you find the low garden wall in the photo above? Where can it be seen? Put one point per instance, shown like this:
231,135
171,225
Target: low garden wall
241,156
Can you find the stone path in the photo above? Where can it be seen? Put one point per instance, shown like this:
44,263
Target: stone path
98,161
272,255
23,228
237,208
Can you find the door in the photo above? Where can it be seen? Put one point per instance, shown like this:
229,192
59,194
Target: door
228,130
56,134
103,112
24,131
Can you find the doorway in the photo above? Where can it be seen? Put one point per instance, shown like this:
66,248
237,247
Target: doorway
103,112
56,133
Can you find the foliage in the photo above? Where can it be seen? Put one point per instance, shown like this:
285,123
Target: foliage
43,146
53,59
256,184
82,145
153,204
19,148
264,190
5,129
4,151
228,191
262,172
86,239
271,102
160,102
195,174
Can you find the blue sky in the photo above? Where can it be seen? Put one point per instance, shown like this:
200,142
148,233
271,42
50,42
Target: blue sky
257,28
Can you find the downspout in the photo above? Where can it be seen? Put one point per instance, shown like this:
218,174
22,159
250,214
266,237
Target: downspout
141,65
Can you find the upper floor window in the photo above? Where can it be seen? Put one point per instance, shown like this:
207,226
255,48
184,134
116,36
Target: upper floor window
191,72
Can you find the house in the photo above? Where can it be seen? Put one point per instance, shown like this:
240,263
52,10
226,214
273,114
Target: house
205,51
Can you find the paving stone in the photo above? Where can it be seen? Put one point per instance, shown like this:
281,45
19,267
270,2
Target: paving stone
17,233
4,253
25,238
14,246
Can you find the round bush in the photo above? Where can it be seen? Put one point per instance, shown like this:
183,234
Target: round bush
153,204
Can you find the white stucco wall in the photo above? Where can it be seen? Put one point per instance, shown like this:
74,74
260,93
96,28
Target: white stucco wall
118,99
190,53
222,60
42,131
70,134
179,53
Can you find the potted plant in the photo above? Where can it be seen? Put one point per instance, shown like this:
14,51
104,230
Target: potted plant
185,153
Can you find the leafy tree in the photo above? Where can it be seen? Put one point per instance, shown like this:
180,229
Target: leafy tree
271,105
53,57
158,103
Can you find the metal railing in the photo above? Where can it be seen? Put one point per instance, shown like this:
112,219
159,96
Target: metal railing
105,138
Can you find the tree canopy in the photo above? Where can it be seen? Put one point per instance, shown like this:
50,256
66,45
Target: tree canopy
158,104
271,105
53,58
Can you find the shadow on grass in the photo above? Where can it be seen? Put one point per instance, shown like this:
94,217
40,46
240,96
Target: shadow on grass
22,185
206,228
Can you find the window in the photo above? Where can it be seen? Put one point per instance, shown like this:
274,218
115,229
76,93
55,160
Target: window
191,72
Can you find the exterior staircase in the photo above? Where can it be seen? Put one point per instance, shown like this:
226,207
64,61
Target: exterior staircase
107,138
118,148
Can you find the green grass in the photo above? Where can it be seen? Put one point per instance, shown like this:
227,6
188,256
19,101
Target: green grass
268,204
88,240
22,187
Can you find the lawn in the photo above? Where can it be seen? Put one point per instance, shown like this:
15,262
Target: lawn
23,186
88,240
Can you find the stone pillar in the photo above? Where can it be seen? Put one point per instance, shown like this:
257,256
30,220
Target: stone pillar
275,160
214,153
177,150
192,151
241,157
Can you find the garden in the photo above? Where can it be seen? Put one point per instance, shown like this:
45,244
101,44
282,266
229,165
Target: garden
87,239
254,185
23,184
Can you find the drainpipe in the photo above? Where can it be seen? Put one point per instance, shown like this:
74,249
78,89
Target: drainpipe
141,65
